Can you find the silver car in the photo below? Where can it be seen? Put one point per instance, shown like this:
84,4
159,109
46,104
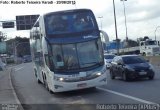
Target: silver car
108,59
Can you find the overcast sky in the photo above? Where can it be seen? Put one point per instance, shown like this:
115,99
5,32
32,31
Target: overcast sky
142,15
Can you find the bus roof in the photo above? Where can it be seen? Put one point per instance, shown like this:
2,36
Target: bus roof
66,11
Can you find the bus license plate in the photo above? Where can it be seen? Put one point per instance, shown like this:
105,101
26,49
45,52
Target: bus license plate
82,85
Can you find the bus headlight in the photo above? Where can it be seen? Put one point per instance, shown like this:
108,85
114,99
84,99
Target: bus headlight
58,78
61,79
99,74
102,72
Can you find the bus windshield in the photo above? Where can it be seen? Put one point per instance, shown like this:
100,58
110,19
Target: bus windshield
70,22
77,56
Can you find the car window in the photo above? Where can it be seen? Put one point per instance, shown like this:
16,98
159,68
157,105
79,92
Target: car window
133,60
115,59
119,60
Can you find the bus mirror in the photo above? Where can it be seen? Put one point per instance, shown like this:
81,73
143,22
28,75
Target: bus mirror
104,38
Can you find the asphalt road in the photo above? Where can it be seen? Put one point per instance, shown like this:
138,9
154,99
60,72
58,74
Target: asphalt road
34,96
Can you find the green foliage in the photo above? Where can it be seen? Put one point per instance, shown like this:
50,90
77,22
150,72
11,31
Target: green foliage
2,36
21,44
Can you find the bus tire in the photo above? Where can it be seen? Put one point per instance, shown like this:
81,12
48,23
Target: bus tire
39,82
45,81
51,92
35,73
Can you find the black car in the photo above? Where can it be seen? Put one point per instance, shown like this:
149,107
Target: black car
131,67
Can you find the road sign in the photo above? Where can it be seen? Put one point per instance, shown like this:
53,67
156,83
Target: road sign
8,24
25,22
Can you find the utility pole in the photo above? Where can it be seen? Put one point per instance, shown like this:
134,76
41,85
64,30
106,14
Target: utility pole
117,41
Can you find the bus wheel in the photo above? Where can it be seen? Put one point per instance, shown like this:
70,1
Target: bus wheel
35,72
50,91
45,82
39,82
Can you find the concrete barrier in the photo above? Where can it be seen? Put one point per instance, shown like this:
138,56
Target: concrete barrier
155,60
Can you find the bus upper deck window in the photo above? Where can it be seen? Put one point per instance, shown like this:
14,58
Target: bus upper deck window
57,23
81,22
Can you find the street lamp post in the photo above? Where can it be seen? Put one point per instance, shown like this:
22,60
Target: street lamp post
155,32
125,20
117,42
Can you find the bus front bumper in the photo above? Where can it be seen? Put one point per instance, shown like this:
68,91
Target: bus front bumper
60,86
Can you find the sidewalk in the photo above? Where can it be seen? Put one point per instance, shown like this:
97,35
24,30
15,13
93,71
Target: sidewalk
8,96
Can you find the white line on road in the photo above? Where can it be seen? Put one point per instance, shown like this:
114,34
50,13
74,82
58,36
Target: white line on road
127,96
16,69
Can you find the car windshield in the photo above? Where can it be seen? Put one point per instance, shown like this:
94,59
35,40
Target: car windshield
77,56
109,56
70,22
133,59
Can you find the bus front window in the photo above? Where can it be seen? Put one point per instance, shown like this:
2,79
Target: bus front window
57,57
66,61
89,53
77,56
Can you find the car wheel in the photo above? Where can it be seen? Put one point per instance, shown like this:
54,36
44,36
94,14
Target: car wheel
151,77
144,54
124,77
112,74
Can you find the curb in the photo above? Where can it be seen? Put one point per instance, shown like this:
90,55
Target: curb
20,107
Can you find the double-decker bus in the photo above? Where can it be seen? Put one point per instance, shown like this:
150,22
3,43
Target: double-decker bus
67,50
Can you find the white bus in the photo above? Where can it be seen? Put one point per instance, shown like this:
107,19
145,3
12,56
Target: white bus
67,51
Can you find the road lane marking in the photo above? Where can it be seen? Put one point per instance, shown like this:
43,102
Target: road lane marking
17,69
127,96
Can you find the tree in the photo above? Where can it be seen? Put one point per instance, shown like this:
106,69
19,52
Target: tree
18,44
2,36
22,46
